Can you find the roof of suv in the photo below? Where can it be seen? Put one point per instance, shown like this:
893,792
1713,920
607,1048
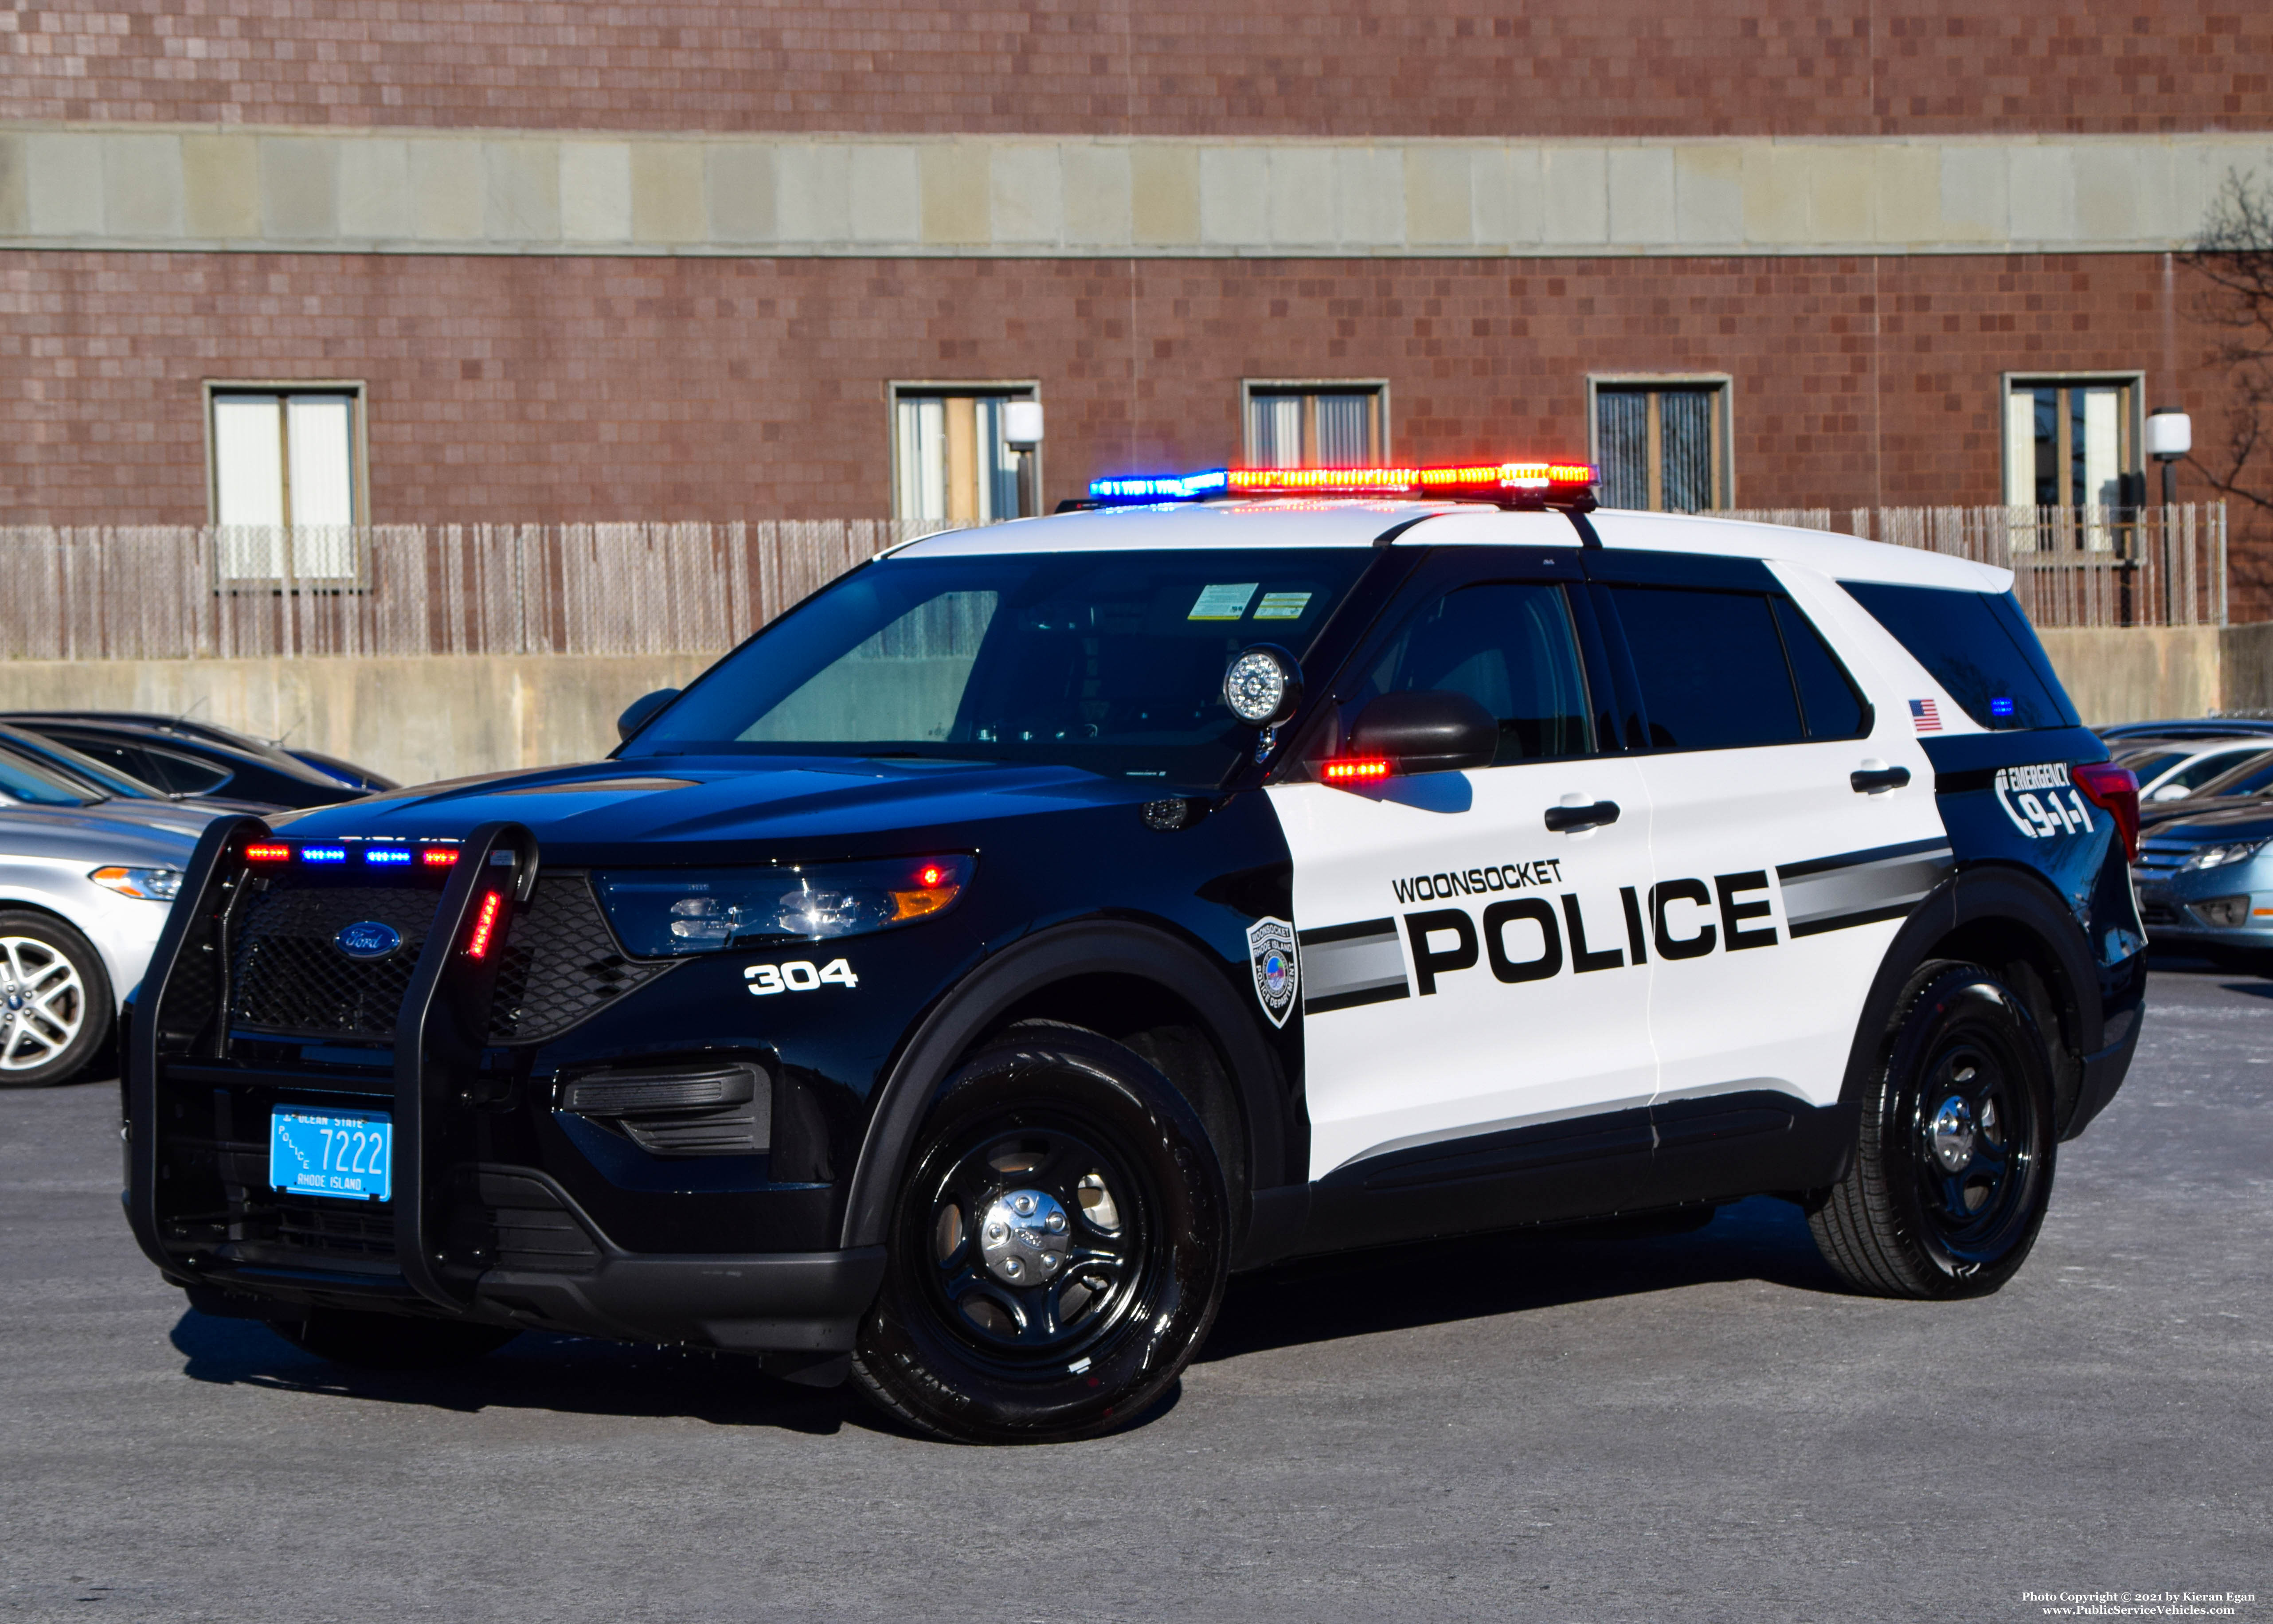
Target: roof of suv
1362,522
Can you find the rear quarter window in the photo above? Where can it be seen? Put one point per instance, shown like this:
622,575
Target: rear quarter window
1978,646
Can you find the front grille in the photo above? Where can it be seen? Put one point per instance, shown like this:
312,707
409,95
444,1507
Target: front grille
335,1229
2158,860
558,965
2158,913
289,976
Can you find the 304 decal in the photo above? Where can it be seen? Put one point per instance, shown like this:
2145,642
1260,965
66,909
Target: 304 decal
799,975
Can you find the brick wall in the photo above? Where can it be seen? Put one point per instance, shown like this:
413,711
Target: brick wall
1270,67
566,388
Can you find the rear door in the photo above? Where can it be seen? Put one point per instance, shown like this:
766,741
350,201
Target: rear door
1466,968
1786,853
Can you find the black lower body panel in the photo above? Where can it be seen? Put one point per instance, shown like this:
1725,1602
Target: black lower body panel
1681,1153
2103,1071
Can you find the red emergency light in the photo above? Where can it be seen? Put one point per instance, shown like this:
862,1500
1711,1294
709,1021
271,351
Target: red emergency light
1518,484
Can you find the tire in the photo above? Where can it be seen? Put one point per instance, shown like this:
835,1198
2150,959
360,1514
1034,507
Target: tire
55,1008
1953,1166
1062,1140
390,1342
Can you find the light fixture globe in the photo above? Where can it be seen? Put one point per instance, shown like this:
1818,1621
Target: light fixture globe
1262,685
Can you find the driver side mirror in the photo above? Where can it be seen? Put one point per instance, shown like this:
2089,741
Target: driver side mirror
1431,731
636,713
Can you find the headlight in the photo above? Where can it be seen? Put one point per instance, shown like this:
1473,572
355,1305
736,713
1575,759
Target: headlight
155,885
2219,856
663,912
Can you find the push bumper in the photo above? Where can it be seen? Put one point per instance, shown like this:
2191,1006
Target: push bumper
486,1242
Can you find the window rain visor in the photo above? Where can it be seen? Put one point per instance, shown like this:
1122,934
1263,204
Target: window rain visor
1111,661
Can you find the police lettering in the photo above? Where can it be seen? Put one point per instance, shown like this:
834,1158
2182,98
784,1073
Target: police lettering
1531,939
1478,882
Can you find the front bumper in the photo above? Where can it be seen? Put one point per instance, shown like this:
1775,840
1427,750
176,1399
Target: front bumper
2211,910
477,1229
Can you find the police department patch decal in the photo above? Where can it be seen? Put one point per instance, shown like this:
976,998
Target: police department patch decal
1271,948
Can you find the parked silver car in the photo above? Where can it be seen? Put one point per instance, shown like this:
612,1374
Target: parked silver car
85,884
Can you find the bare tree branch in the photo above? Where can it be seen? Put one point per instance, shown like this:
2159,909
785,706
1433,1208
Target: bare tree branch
2234,257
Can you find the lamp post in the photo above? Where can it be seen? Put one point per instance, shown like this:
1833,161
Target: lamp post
2170,436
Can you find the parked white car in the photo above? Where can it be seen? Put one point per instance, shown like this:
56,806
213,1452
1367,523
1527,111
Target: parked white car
2175,768
84,889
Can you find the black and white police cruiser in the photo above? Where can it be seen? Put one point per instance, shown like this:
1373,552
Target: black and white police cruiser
965,976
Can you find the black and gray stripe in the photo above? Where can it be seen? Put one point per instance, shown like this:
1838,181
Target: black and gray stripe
1345,965
1861,888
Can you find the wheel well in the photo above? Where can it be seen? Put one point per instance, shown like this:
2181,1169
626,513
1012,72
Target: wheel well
2024,961
1168,1034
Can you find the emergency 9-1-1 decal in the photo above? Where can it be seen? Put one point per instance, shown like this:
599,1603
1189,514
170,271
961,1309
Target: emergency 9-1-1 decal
2041,801
1278,971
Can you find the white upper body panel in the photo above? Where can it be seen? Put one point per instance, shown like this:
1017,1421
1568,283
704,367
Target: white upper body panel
1293,522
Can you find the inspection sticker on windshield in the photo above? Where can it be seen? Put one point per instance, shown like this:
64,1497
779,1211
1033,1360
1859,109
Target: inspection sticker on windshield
1282,605
1223,602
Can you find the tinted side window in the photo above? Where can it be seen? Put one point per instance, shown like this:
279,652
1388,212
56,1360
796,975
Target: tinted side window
1977,646
1510,647
186,775
1828,699
1712,668
127,758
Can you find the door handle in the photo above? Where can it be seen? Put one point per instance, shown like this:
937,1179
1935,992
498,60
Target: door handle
1875,780
1571,820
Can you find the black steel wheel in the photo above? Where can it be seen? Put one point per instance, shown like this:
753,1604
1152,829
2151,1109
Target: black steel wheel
55,1010
1953,1168
1058,1247
391,1342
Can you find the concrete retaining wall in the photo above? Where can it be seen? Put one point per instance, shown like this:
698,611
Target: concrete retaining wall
414,720
452,716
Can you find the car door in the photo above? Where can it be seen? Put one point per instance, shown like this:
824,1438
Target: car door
1470,942
1794,826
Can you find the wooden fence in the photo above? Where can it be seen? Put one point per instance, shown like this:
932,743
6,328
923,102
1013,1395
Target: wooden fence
155,592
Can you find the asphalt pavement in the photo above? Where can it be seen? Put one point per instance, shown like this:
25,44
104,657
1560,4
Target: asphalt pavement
1700,1427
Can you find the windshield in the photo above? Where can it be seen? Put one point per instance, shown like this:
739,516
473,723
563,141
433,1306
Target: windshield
21,781
1108,661
76,767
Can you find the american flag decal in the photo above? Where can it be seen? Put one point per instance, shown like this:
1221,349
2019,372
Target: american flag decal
1923,716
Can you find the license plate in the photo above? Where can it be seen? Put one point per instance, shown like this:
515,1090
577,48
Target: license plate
348,1156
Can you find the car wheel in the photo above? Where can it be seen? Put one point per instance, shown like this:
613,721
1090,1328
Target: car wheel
55,1001
390,1342
1953,1166
1058,1247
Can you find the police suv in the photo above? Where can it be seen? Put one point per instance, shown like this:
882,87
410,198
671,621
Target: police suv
966,974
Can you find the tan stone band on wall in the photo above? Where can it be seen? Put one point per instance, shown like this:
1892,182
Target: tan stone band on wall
147,186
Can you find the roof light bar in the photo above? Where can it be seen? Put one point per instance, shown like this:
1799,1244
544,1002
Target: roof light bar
1514,484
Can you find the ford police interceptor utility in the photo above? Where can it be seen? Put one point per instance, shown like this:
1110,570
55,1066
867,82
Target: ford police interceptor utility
967,974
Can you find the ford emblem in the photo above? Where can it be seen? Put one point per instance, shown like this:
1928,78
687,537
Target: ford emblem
368,938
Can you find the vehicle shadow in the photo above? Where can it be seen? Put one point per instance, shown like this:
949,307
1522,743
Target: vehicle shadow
1317,1300
536,1371
1438,1283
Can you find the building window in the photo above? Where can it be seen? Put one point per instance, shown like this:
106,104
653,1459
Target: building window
2069,442
952,461
285,490
1315,423
1662,443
